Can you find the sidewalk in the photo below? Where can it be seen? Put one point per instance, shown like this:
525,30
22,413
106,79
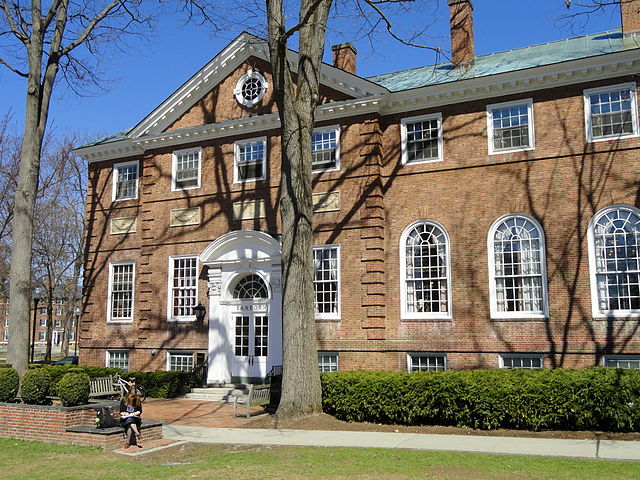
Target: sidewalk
213,422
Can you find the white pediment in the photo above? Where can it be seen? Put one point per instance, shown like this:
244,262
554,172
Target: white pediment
242,246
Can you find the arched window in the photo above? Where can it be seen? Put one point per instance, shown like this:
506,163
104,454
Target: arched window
426,282
517,269
250,287
614,240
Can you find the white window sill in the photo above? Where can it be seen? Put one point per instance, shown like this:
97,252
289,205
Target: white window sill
129,321
419,162
511,150
617,315
419,318
518,316
181,319
612,138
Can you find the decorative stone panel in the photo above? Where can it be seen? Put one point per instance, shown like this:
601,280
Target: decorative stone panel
326,202
123,225
249,209
181,217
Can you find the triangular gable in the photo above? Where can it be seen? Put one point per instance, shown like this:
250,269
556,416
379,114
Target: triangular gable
224,64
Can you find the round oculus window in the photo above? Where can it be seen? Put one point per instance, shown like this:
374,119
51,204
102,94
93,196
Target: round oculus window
250,88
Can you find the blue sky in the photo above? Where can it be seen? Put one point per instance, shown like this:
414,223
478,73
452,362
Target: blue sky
137,83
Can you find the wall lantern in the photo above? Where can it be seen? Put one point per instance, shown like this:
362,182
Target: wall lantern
199,311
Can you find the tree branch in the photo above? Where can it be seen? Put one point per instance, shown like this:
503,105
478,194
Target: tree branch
89,28
14,70
12,26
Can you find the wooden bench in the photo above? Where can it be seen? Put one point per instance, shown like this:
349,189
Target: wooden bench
259,395
103,387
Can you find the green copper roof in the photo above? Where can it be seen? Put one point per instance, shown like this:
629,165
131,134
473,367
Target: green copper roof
509,61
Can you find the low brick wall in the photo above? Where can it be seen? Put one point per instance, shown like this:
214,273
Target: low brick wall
73,425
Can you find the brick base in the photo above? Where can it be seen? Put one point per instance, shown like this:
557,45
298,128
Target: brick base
69,425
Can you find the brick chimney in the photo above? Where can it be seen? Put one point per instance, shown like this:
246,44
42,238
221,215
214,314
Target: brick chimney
461,24
344,57
630,10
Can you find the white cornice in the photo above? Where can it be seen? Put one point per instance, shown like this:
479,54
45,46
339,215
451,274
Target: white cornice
522,81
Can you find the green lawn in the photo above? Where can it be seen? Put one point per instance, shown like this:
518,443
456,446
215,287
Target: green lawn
32,460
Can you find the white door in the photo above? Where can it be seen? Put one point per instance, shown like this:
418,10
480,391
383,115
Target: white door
251,345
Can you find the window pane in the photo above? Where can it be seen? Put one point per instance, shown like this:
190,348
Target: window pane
118,359
616,238
611,113
422,140
187,169
511,127
424,363
126,181
122,292
518,258
327,362
325,280
323,148
250,160
426,283
181,362
184,288
527,362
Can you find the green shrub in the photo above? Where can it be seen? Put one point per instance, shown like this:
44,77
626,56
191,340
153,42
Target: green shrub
162,384
9,383
546,399
35,386
73,388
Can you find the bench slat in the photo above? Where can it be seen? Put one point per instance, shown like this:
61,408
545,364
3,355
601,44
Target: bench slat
259,395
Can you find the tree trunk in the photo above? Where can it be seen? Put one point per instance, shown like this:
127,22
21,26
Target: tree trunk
301,392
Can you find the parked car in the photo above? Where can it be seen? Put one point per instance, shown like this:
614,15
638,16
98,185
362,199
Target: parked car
70,360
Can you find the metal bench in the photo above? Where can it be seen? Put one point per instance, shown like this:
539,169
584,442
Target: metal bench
259,395
103,387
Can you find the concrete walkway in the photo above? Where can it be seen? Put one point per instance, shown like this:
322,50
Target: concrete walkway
597,449
213,422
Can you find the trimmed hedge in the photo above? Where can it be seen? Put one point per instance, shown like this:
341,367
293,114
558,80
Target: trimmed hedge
73,388
34,386
547,399
157,384
9,384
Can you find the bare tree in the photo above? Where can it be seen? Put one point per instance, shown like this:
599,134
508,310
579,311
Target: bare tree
43,42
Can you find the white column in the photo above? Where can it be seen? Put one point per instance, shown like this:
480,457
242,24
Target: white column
219,371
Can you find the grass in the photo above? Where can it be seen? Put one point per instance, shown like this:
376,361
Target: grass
33,460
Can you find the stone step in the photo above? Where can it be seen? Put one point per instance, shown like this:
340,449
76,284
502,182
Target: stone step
216,394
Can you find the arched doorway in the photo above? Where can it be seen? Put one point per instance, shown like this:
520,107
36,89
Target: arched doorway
245,306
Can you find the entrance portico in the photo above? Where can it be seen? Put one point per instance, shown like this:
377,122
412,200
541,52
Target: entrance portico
245,306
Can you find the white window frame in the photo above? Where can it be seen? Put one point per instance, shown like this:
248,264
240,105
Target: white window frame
336,129
237,91
403,139
42,336
531,131
170,289
634,358
5,336
114,184
43,321
110,291
174,165
335,315
539,356
595,299
236,156
495,314
108,354
587,111
410,356
179,353
404,314
322,363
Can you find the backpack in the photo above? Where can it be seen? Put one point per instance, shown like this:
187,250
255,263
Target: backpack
105,418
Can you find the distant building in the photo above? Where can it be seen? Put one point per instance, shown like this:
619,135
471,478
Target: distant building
481,213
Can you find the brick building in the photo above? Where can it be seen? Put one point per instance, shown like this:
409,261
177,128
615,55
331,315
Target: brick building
481,213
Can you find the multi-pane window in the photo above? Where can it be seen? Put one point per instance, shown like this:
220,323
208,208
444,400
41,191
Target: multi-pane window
517,267
614,237
5,336
250,160
186,169
42,336
121,291
527,362
632,362
327,362
183,278
261,336
326,280
510,126
611,112
421,139
241,337
325,149
118,359
57,311
425,271
181,362
43,310
43,322
425,363
250,287
125,181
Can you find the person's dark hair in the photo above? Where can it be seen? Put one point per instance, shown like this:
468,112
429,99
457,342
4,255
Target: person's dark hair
132,399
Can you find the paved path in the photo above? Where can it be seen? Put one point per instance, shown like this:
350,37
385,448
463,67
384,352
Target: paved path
213,422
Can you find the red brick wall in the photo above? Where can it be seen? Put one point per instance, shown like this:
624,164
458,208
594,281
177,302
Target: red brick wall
561,184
